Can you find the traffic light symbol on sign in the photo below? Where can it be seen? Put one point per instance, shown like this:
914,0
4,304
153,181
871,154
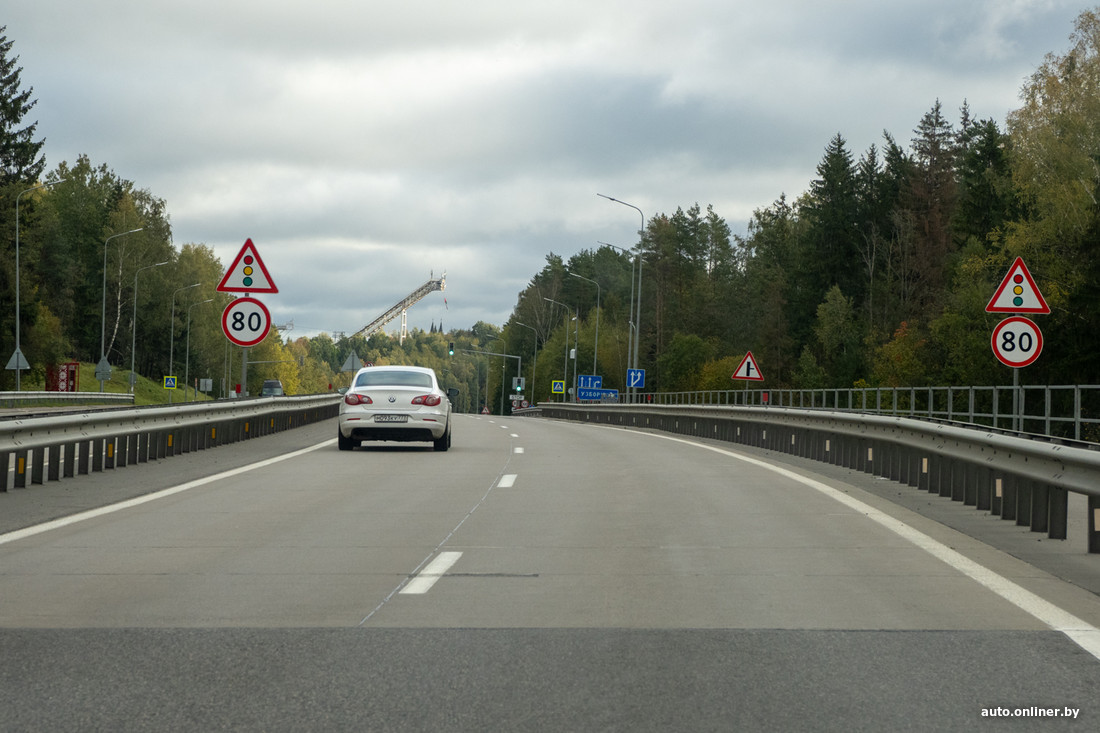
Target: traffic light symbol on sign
1018,293
247,273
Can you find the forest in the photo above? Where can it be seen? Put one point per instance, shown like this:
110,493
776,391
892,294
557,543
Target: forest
877,275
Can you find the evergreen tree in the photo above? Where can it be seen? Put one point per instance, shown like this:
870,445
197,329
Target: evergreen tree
931,200
987,199
20,159
833,238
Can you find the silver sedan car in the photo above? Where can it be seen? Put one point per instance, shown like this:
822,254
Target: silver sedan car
402,403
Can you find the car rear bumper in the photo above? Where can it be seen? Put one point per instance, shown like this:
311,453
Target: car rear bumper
413,430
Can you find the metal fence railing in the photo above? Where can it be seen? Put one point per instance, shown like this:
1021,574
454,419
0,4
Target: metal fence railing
1069,411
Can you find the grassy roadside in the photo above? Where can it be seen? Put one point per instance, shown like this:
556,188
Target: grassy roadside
146,391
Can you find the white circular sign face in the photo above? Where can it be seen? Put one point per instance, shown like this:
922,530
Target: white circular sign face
246,321
1017,341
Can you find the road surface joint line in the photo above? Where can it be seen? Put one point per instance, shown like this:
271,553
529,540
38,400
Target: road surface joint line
492,485
436,569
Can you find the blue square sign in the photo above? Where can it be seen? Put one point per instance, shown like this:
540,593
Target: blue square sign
635,378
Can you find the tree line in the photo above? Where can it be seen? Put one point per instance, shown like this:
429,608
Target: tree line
877,275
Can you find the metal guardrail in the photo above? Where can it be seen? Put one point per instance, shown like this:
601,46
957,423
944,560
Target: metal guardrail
1014,477
1067,411
19,399
51,447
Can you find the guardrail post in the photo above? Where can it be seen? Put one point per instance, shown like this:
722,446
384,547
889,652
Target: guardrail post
109,458
97,454
122,454
1009,490
1023,503
984,489
54,471
38,462
924,473
1094,523
20,480
1059,511
970,488
1040,508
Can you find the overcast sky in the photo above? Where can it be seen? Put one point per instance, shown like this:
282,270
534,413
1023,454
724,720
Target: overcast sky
364,146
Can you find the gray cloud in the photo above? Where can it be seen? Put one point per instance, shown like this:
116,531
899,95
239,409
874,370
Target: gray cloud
363,146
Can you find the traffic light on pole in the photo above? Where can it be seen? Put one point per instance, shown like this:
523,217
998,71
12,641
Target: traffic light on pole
451,348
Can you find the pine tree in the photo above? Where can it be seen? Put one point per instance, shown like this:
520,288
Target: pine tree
20,159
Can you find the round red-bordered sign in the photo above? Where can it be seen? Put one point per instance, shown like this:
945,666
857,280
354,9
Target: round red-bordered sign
246,321
1017,341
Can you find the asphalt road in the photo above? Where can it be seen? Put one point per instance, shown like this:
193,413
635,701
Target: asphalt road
538,576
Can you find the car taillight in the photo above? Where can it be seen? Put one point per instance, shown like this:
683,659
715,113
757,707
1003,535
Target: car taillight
357,399
429,400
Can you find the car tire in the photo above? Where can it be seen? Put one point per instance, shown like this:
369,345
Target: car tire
344,443
444,441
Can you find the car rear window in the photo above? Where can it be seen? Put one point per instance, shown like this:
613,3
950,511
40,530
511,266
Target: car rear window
394,379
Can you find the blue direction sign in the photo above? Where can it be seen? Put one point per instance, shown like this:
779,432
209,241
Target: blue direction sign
589,381
588,393
635,378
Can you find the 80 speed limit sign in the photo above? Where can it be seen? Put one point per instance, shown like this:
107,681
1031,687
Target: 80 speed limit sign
246,321
1017,341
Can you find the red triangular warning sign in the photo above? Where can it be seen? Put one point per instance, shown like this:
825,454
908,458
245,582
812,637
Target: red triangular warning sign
247,274
1018,293
747,369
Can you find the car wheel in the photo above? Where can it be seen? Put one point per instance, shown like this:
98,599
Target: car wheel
444,441
344,443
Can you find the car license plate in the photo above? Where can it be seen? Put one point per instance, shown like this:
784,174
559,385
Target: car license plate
391,418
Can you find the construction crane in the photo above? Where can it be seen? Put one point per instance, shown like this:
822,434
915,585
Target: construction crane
402,306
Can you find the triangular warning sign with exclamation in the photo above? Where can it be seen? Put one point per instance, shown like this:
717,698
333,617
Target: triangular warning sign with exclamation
1018,293
747,369
247,274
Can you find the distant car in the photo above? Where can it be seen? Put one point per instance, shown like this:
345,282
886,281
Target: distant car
271,388
402,403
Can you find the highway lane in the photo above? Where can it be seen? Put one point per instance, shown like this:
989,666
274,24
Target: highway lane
594,579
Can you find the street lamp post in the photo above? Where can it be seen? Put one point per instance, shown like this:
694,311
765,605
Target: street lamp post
596,347
172,337
630,332
133,335
641,234
18,362
534,355
187,349
104,366
565,365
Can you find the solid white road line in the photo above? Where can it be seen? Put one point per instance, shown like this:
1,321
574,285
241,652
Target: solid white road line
435,570
1080,631
20,534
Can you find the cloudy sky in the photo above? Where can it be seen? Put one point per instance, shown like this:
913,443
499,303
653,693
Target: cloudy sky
365,146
